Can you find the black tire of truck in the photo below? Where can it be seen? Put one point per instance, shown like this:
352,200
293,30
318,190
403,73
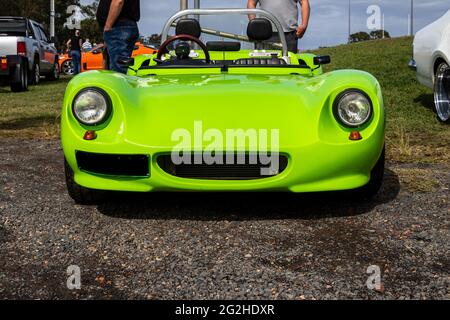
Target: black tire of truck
35,73
19,77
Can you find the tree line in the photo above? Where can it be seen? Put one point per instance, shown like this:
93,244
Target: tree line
373,35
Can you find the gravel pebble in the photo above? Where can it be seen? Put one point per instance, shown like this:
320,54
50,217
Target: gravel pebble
223,246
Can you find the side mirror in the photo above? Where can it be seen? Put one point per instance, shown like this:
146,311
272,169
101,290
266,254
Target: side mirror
125,61
321,60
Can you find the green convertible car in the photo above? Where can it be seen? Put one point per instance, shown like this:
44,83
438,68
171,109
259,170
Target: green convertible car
212,116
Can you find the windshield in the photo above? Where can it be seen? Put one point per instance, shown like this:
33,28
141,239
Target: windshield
12,27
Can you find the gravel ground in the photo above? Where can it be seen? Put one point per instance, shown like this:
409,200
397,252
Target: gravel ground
219,246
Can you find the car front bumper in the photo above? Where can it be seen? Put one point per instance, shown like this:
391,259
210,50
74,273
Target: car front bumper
311,168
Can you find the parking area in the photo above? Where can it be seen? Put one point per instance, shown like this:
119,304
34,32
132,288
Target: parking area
226,246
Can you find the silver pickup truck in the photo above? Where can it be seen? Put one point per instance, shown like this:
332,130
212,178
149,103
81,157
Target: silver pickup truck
26,53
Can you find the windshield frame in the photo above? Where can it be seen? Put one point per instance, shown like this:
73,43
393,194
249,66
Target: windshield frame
200,12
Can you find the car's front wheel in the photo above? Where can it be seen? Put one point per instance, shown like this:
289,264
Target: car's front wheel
79,194
442,93
372,188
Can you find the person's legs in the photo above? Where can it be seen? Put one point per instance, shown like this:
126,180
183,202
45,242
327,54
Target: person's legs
120,43
79,62
292,41
76,60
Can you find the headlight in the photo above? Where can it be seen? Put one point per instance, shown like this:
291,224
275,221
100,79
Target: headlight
91,106
353,108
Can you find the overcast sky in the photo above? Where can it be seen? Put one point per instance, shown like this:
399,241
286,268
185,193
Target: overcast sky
329,18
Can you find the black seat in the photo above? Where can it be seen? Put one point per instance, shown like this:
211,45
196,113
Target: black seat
190,27
259,29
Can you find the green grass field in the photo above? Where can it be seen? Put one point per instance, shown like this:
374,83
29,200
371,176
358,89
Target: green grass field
413,134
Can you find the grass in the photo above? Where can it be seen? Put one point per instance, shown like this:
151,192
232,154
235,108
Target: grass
413,133
417,180
32,114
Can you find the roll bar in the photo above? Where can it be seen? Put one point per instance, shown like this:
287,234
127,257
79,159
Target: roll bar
200,12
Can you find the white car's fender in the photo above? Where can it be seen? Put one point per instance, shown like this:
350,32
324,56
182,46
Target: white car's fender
432,46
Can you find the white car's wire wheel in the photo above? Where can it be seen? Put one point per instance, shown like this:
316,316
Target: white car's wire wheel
67,67
442,93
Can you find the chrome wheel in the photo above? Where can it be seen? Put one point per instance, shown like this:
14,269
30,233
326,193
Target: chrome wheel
442,93
68,67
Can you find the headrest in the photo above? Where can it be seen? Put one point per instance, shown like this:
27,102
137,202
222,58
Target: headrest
223,46
259,29
189,26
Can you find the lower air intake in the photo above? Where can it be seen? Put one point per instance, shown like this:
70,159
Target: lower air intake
250,169
114,164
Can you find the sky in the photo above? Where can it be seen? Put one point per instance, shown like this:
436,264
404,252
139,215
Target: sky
329,18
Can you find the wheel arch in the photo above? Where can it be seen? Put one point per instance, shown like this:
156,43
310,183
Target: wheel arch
437,62
36,58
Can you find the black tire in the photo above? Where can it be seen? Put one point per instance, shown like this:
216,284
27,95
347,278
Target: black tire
79,194
54,75
19,79
35,75
442,93
372,188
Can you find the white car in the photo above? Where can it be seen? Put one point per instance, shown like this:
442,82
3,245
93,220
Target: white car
432,60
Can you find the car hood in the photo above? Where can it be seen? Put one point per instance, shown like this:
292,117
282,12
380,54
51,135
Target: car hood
163,104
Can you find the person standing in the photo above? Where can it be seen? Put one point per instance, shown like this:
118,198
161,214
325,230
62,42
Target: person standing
118,20
74,44
287,12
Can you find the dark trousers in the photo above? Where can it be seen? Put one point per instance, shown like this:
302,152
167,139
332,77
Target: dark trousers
120,41
291,39
76,61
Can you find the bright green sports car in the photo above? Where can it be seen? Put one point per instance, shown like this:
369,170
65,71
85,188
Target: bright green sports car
212,116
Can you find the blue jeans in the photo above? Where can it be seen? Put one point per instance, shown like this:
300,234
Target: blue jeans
120,41
76,60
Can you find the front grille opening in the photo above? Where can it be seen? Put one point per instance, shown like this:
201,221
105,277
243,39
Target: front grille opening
114,164
248,170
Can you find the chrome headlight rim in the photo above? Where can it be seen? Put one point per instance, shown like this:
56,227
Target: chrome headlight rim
108,103
347,124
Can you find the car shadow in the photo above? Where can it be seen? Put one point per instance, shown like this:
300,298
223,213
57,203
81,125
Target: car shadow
42,83
24,123
46,82
247,206
426,100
